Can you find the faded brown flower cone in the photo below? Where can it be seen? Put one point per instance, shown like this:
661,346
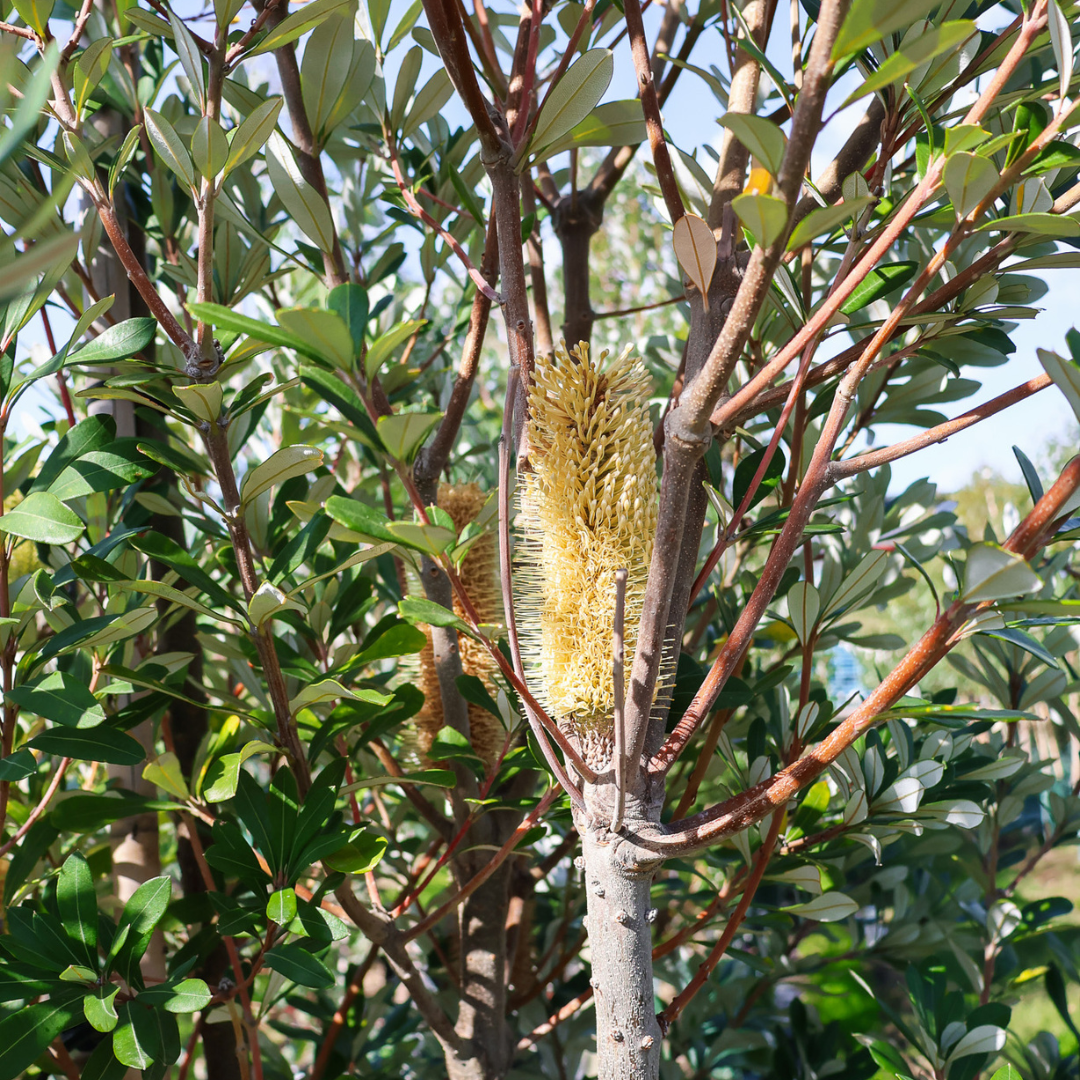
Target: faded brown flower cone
479,576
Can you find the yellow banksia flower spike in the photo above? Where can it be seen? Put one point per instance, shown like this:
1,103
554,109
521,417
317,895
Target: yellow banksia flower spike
587,509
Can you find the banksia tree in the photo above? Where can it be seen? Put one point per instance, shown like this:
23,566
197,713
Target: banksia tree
290,291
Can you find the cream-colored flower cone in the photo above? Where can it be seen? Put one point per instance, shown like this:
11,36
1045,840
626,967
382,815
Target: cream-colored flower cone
588,508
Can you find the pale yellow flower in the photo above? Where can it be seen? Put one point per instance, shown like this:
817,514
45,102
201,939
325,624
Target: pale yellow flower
588,508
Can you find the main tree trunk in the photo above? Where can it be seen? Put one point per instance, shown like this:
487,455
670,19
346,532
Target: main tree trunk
628,1035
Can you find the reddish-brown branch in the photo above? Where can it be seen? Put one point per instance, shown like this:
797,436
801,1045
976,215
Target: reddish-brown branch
417,210
940,432
701,976
650,106
489,868
38,810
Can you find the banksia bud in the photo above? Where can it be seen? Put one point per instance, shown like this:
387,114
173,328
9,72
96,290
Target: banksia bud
479,576
588,508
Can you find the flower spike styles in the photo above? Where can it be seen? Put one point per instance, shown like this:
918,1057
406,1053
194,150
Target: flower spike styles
588,508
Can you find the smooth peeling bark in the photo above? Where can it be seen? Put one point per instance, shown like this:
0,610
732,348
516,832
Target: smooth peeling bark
628,1035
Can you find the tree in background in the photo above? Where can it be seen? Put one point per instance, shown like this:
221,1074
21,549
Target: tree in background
413,746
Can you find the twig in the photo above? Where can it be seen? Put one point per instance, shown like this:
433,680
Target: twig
701,976
650,106
489,868
622,765
940,432
635,310
564,63
38,810
417,210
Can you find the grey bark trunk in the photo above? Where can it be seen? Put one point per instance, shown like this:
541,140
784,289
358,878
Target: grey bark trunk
576,219
482,1010
628,1036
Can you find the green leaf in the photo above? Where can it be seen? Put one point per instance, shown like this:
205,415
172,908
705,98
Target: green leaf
307,208
324,330
209,147
59,697
136,1038
223,775
331,690
297,24
140,917
117,342
124,157
250,137
803,607
182,461
868,21
35,92
102,1064
992,573
18,766
186,996
76,902
165,772
202,400
859,581
332,390
878,283
93,433
760,136
45,257
169,146
933,42
615,123
99,1008
361,854
44,518
428,101
25,1035
428,613
174,596
431,539
829,907
1066,376
169,553
350,302
281,907
36,13
1043,224
87,813
1008,1072
824,220
299,966
443,778
1062,45
969,178
190,57
384,346
403,433
575,95
764,216
115,467
283,464
90,744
